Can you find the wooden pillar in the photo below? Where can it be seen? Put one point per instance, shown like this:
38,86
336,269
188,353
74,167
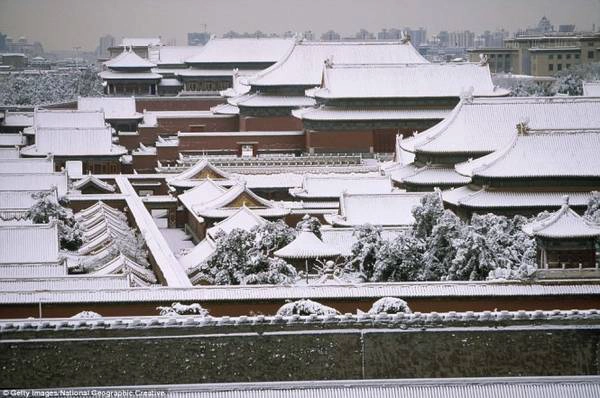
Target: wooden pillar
172,217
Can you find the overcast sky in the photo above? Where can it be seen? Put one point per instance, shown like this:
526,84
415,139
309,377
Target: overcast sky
63,24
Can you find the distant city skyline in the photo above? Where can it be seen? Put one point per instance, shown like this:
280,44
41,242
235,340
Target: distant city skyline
64,24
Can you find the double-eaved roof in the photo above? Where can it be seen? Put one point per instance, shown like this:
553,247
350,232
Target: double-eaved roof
391,209
480,126
303,66
128,59
416,80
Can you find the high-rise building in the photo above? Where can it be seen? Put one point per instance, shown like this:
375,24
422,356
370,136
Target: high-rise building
462,39
104,44
198,38
330,35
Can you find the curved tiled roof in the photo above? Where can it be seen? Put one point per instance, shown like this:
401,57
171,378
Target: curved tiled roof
564,223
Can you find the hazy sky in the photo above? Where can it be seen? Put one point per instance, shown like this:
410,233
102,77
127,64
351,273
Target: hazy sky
63,24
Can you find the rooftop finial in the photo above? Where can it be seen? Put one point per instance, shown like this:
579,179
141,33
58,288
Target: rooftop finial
565,199
483,59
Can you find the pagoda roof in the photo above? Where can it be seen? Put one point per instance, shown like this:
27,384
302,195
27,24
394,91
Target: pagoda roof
315,186
74,142
391,209
198,255
564,223
303,65
129,59
29,243
366,113
235,197
544,155
307,245
202,170
591,89
485,198
27,165
112,107
244,218
98,208
205,191
418,80
483,125
242,50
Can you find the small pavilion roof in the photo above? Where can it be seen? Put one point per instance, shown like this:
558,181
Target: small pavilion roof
480,126
121,264
303,65
129,59
547,155
563,224
202,170
307,245
204,192
391,209
419,80
244,218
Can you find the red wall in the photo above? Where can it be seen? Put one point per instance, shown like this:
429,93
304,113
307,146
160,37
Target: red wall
282,143
340,141
274,123
177,103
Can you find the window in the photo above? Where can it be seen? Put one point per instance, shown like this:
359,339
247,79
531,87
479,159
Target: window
590,54
559,56
568,56
576,56
551,67
567,66
551,56
559,67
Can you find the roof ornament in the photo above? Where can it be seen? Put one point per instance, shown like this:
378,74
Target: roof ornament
523,126
483,59
405,37
467,95
565,199
329,61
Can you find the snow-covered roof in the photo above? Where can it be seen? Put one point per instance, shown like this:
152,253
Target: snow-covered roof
216,72
235,197
483,125
12,140
225,109
170,82
74,142
333,186
379,113
303,65
405,81
242,50
307,245
29,243
151,117
202,170
140,41
591,89
428,175
27,166
198,255
71,282
392,209
14,270
18,119
261,100
244,218
204,192
173,55
129,59
541,155
66,118
113,107
485,198
14,204
10,153
98,208
563,224
279,180
92,180
34,182
121,264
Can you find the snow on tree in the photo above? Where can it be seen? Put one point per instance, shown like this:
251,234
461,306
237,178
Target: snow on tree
440,249
592,213
532,88
243,257
87,315
306,307
389,305
400,259
47,87
183,309
47,208
313,223
427,213
365,249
